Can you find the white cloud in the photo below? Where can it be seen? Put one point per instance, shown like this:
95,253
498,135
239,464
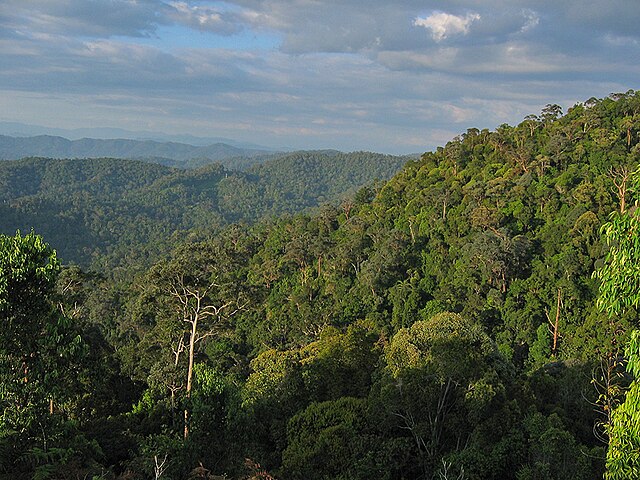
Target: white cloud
381,74
444,25
621,41
531,20
204,18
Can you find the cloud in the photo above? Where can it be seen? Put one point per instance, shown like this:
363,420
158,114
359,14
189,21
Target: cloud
531,20
204,18
355,74
444,25
95,18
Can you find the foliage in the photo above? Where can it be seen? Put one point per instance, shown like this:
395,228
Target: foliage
620,275
443,323
623,455
330,440
37,344
620,292
40,351
109,212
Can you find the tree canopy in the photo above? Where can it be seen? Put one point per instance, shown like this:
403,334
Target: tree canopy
446,323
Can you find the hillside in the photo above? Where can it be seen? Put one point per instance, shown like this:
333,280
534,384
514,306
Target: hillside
166,153
118,208
442,325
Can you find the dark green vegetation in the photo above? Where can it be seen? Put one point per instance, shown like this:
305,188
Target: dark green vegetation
113,212
442,326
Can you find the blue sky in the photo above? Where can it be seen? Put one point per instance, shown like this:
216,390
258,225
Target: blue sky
388,76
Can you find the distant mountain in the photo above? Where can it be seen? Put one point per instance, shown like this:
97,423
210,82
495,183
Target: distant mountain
166,153
16,129
117,210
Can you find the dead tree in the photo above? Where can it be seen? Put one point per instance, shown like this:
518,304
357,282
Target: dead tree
620,177
199,313
554,326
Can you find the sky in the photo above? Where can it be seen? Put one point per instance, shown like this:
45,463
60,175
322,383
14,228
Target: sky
382,75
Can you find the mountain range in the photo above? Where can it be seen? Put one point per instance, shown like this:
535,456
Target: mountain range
17,129
173,154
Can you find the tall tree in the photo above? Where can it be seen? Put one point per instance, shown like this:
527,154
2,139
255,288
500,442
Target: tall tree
201,314
38,346
190,296
620,291
623,455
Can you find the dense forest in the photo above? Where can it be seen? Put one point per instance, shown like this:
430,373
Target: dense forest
108,212
467,319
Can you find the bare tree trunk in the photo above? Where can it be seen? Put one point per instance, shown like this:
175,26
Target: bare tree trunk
620,177
160,466
195,305
192,343
555,325
413,235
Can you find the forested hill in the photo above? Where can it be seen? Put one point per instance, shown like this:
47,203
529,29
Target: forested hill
117,208
167,153
442,326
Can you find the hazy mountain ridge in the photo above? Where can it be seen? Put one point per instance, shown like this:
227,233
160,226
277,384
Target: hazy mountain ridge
17,129
166,153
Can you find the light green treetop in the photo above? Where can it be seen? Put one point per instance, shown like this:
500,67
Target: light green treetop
619,291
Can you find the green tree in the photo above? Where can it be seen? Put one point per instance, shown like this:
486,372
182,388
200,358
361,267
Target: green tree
333,440
620,291
620,276
39,349
442,380
623,455
188,300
